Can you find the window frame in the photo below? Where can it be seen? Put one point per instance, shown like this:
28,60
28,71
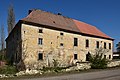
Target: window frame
97,44
105,45
40,41
110,46
109,56
75,56
40,57
105,56
40,31
61,44
61,33
87,43
75,41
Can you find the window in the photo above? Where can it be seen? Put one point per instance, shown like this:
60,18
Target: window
105,56
75,41
61,44
16,56
40,56
40,41
97,44
51,42
75,56
40,31
104,45
87,43
88,56
61,34
109,56
109,45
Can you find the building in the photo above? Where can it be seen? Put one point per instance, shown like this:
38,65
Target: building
42,37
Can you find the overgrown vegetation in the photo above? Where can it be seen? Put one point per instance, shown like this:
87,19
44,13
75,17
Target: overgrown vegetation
55,67
97,60
8,70
2,55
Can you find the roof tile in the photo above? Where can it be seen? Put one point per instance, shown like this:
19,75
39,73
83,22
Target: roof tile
58,21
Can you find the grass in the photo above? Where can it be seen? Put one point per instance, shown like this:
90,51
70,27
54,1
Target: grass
8,69
60,73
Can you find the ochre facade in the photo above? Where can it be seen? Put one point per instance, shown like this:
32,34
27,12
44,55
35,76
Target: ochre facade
51,48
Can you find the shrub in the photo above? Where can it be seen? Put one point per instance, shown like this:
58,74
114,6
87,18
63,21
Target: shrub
8,70
55,63
97,61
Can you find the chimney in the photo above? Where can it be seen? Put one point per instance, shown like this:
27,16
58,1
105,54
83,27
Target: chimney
59,14
29,11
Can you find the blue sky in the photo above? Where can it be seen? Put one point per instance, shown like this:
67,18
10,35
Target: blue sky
104,14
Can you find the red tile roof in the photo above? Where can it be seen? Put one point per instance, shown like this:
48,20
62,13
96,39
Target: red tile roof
89,29
61,22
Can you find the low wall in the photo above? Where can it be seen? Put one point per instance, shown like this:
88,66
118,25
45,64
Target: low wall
114,63
80,66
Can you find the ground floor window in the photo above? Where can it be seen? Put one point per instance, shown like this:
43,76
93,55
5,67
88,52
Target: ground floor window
75,56
88,56
40,56
109,56
105,56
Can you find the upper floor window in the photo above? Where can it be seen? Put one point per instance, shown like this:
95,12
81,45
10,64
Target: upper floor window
75,41
109,45
104,45
40,41
40,56
97,44
61,44
105,56
40,31
61,34
87,43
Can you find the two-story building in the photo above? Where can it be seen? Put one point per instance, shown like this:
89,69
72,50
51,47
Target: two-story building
42,36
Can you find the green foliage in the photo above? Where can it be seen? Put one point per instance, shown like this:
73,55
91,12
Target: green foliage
2,58
55,67
52,69
97,62
8,70
55,63
118,47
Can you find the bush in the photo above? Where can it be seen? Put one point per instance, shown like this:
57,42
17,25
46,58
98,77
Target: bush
97,62
53,69
55,63
8,70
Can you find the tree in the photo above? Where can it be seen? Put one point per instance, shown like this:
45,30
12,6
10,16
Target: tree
2,37
10,19
118,47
